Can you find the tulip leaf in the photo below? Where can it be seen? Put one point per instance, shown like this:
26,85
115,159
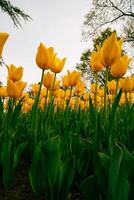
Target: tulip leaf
83,162
102,168
54,152
89,188
37,173
120,169
18,152
6,160
66,176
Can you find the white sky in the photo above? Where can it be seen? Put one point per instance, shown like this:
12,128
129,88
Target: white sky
56,23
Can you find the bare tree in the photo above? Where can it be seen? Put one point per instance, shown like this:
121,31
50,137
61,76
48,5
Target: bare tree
14,12
103,13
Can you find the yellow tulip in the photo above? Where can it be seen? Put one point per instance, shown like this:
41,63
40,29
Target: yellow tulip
3,92
60,93
15,89
86,97
80,88
73,78
48,80
3,38
15,73
43,92
92,88
101,93
58,65
45,57
132,82
68,92
112,86
95,60
120,66
26,108
126,85
56,85
111,50
35,88
65,82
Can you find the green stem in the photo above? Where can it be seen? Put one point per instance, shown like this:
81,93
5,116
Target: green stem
53,83
105,91
64,98
38,94
117,82
46,97
96,83
34,126
70,96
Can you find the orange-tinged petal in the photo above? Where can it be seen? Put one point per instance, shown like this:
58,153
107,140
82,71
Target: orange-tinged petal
95,61
14,73
65,81
15,89
111,50
58,65
48,80
42,57
73,78
120,66
3,38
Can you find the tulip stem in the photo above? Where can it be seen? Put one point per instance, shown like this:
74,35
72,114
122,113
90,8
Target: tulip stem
64,97
96,83
51,96
46,97
35,112
38,95
70,95
105,91
117,82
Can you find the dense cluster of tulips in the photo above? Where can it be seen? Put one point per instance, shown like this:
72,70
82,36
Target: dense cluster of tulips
71,135
72,91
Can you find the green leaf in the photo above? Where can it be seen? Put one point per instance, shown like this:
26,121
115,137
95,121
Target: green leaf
102,169
37,173
89,188
66,176
114,171
18,152
6,161
121,167
83,162
54,149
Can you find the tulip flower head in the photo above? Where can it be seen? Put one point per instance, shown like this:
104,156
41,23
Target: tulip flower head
45,57
111,50
15,73
95,60
126,85
15,89
58,65
112,86
3,38
3,92
73,78
120,66
48,80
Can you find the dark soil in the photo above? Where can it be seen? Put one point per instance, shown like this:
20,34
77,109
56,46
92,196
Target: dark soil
21,189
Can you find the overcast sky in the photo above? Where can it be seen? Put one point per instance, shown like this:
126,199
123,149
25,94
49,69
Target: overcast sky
56,23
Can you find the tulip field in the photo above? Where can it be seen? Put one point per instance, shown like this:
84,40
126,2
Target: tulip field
62,140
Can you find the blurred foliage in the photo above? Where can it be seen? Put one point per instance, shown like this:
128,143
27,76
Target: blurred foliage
15,13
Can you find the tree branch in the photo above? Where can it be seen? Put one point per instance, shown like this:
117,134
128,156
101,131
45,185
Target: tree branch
105,23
